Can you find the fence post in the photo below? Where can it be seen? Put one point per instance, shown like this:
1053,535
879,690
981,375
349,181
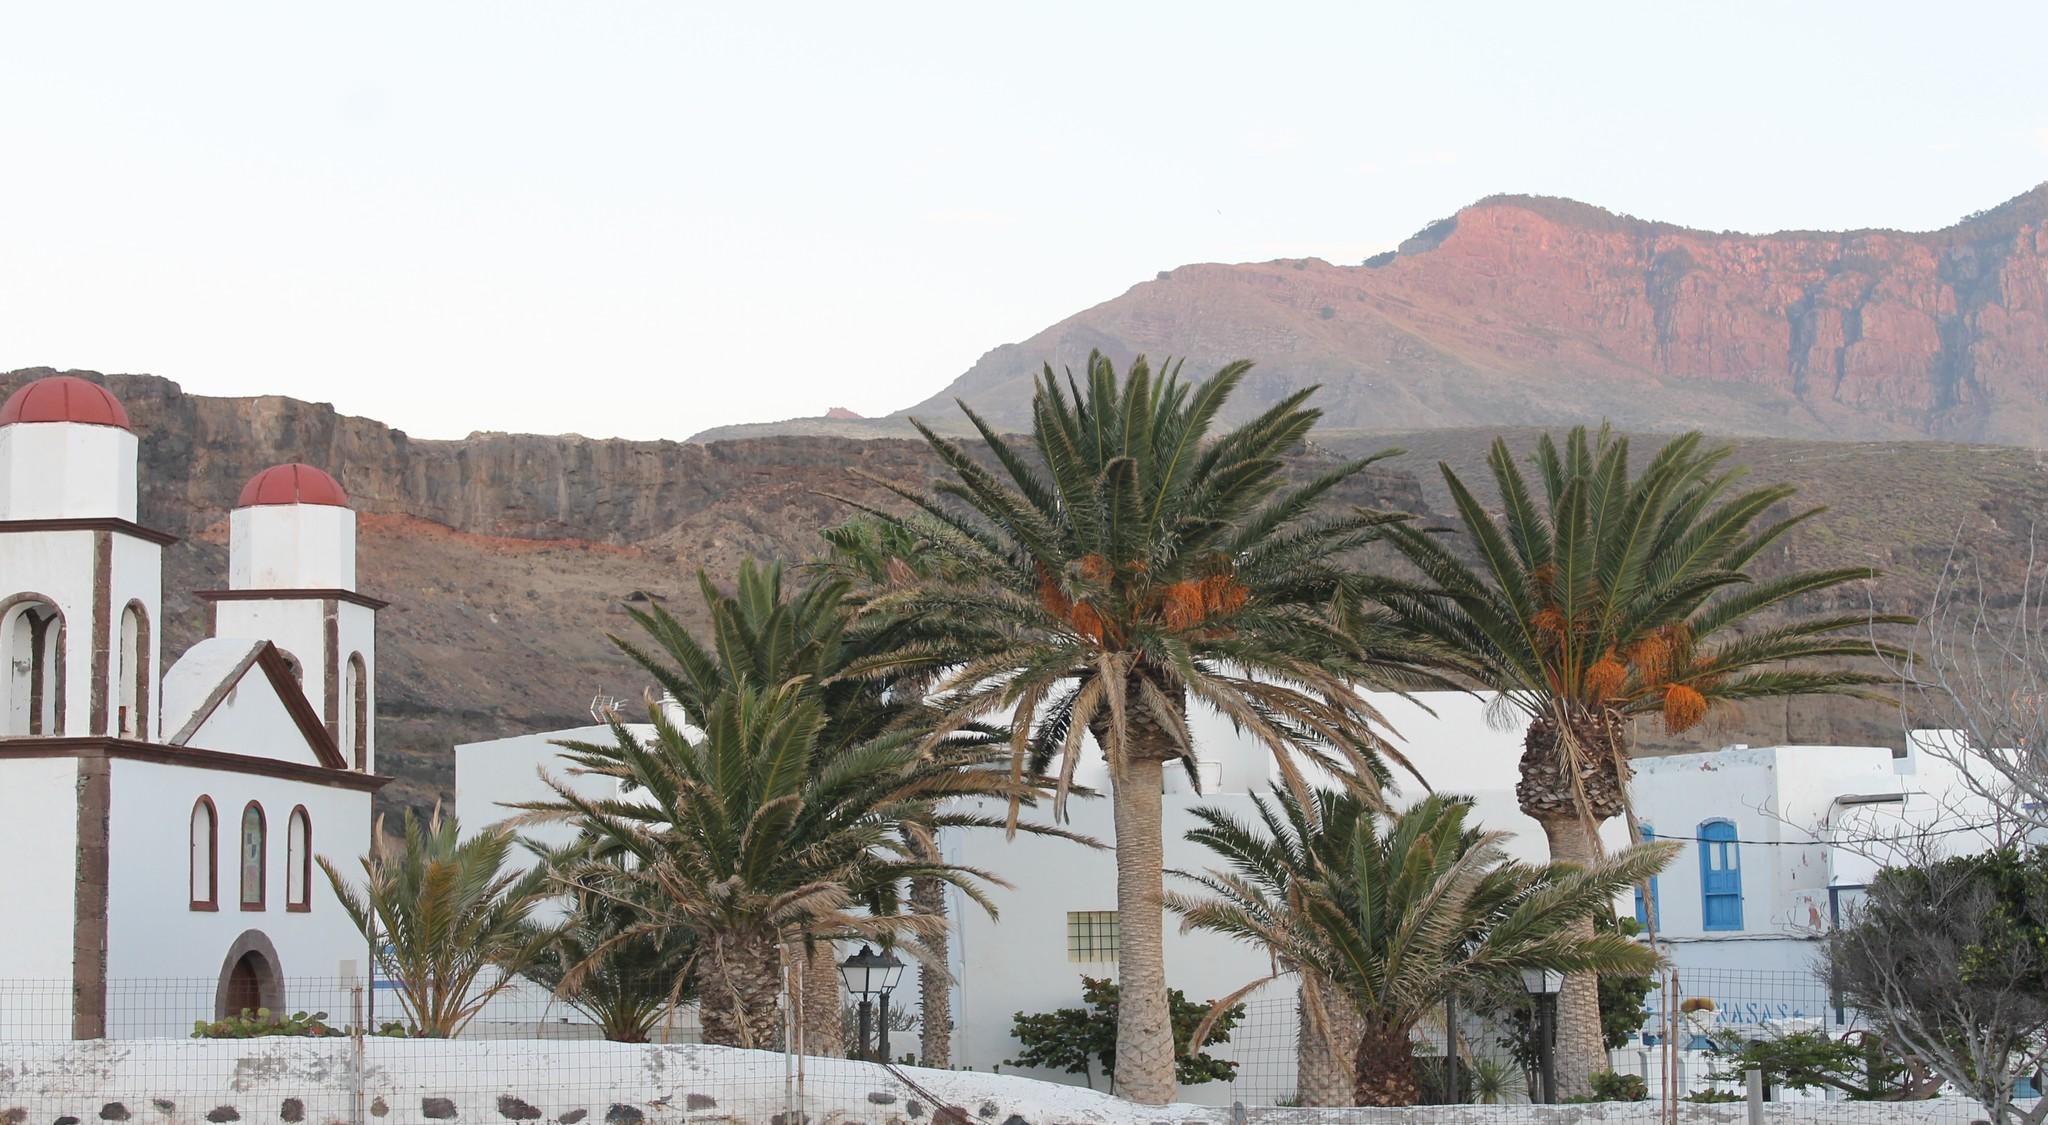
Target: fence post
1755,1078
356,1044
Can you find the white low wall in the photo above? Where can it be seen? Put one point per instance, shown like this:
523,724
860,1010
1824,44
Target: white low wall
315,1082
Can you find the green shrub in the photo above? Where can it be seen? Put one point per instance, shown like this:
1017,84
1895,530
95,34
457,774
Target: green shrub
1860,1065
1433,1074
261,1021
1709,1097
1611,1087
1071,1039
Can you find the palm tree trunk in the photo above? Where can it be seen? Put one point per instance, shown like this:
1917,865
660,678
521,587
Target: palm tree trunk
1581,1043
1323,1076
1569,794
934,985
1385,1074
742,975
1144,1031
824,1025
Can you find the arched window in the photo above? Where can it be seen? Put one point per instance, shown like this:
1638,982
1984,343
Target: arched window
298,861
132,716
31,667
1646,910
1720,877
205,851
254,844
355,712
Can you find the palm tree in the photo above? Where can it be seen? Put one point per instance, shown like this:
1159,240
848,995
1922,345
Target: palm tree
1612,596
740,838
1123,564
762,634
1398,918
441,911
869,556
638,980
1300,846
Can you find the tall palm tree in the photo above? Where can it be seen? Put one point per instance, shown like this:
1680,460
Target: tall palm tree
740,838
1601,595
1123,564
444,914
1404,915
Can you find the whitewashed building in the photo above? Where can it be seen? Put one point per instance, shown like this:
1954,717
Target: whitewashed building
158,826
1771,849
1777,846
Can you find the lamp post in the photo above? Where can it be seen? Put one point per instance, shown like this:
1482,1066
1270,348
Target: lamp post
871,975
1544,984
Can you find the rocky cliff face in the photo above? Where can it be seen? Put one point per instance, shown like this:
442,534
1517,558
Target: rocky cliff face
507,557
1522,310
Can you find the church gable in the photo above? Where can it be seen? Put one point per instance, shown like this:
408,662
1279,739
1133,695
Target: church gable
241,697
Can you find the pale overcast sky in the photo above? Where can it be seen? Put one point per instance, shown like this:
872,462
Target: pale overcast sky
646,219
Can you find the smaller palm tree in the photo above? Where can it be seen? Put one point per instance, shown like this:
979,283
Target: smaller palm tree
640,979
749,839
450,922
1396,916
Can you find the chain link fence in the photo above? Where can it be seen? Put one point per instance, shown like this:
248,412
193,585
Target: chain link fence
334,1050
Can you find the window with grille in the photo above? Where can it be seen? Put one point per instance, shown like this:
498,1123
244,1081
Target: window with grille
1092,935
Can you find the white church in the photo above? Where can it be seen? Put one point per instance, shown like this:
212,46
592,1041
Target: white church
158,825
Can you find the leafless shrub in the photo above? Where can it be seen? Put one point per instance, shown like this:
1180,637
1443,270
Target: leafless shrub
1948,961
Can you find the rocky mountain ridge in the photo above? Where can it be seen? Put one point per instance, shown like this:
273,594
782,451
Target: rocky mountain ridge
1523,310
507,558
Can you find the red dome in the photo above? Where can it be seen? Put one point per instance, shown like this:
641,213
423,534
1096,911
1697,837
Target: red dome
292,484
64,398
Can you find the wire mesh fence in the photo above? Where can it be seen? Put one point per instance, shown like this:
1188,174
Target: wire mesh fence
342,1050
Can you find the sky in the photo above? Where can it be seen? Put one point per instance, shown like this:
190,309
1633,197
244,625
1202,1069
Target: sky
646,219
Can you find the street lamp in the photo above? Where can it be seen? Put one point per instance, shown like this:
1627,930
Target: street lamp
1544,984
870,974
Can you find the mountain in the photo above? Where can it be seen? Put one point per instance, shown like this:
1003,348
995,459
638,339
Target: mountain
1522,310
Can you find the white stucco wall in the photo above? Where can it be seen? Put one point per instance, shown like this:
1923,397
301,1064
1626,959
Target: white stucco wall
491,775
252,721
66,470
38,844
164,958
297,626
430,1081
281,546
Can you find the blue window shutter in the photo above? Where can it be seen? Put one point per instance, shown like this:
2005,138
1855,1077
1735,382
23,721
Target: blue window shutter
1643,910
1720,876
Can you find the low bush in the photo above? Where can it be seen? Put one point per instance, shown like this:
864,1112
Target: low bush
1611,1087
261,1022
